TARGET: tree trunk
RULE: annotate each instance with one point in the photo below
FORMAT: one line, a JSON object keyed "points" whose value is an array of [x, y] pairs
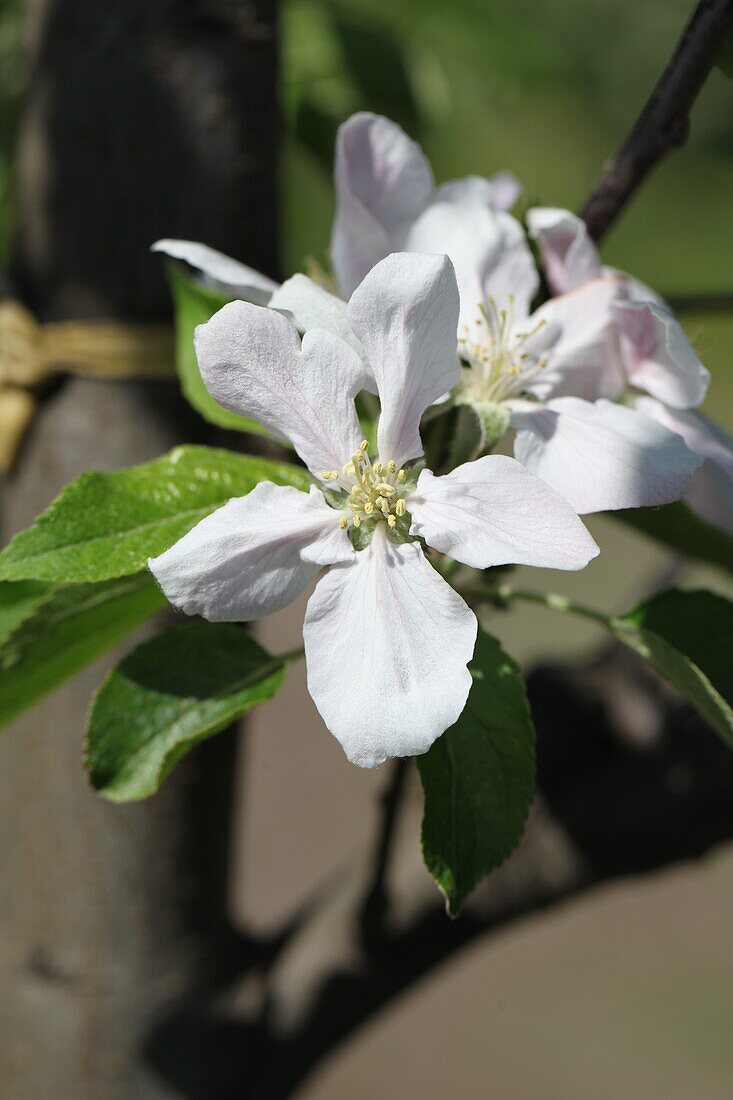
{"points": [[144, 118]]}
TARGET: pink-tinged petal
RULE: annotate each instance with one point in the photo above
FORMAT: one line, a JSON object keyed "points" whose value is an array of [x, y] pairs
{"points": [[659, 357], [495, 512], [383, 181], [219, 272], [632, 288], [500, 191], [711, 492], [569, 256], [488, 250], [252, 362], [253, 556], [406, 315], [309, 305], [602, 456], [387, 644], [584, 359]]}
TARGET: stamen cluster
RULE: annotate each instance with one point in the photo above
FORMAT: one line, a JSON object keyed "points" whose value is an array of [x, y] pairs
{"points": [[500, 362], [376, 490]]}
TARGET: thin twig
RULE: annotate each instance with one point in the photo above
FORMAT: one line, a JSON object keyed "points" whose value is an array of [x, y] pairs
{"points": [[376, 901], [664, 121]]}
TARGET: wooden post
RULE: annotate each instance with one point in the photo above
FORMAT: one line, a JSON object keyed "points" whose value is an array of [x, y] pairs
{"points": [[144, 118]]}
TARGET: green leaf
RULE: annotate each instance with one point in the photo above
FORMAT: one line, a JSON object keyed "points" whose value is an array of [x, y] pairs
{"points": [[18, 601], [65, 630], [688, 637], [677, 526], [170, 693], [376, 60], [194, 305], [478, 778], [106, 525]]}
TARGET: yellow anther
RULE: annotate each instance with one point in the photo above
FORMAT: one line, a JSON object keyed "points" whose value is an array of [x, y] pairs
{"points": [[343, 523], [391, 466], [364, 445], [383, 505], [400, 507], [377, 467], [391, 520], [385, 489], [369, 507], [329, 475], [348, 470], [357, 521], [401, 475]]}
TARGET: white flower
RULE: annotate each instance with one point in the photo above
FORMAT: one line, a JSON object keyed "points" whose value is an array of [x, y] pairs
{"points": [[387, 640], [383, 183], [654, 354], [553, 375], [550, 374]]}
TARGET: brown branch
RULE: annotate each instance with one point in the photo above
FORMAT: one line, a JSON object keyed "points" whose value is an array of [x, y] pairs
{"points": [[664, 121], [628, 781]]}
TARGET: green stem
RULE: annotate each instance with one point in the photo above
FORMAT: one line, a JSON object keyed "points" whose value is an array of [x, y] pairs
{"points": [[551, 600]]}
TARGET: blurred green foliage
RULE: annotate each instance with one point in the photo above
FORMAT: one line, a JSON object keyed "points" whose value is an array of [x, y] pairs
{"points": [[547, 89]]}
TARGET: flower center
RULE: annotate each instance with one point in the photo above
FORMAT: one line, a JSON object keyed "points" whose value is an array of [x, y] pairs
{"points": [[500, 355], [376, 491]]}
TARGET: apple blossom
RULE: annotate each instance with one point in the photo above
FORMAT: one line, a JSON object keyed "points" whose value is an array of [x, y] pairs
{"points": [[387, 640], [654, 353]]}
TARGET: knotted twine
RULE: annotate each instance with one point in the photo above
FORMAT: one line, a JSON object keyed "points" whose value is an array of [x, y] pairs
{"points": [[32, 352]]}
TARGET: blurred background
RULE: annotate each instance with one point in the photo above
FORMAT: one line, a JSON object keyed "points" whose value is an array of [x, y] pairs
{"points": [[628, 993]]}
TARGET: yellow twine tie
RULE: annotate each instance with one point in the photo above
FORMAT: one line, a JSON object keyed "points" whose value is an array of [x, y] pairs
{"points": [[32, 352]]}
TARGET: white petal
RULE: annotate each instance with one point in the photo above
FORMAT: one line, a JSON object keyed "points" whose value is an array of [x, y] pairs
{"points": [[499, 191], [253, 556], [251, 361], [585, 359], [488, 249], [602, 456], [569, 256], [383, 181], [633, 289], [387, 643], [659, 357], [495, 512], [505, 190], [220, 272], [406, 315], [711, 492], [309, 306]]}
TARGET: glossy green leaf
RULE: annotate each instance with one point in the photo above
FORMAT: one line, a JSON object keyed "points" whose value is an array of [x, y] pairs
{"points": [[106, 525], [172, 692], [688, 637], [677, 526], [195, 304], [478, 778], [64, 631]]}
